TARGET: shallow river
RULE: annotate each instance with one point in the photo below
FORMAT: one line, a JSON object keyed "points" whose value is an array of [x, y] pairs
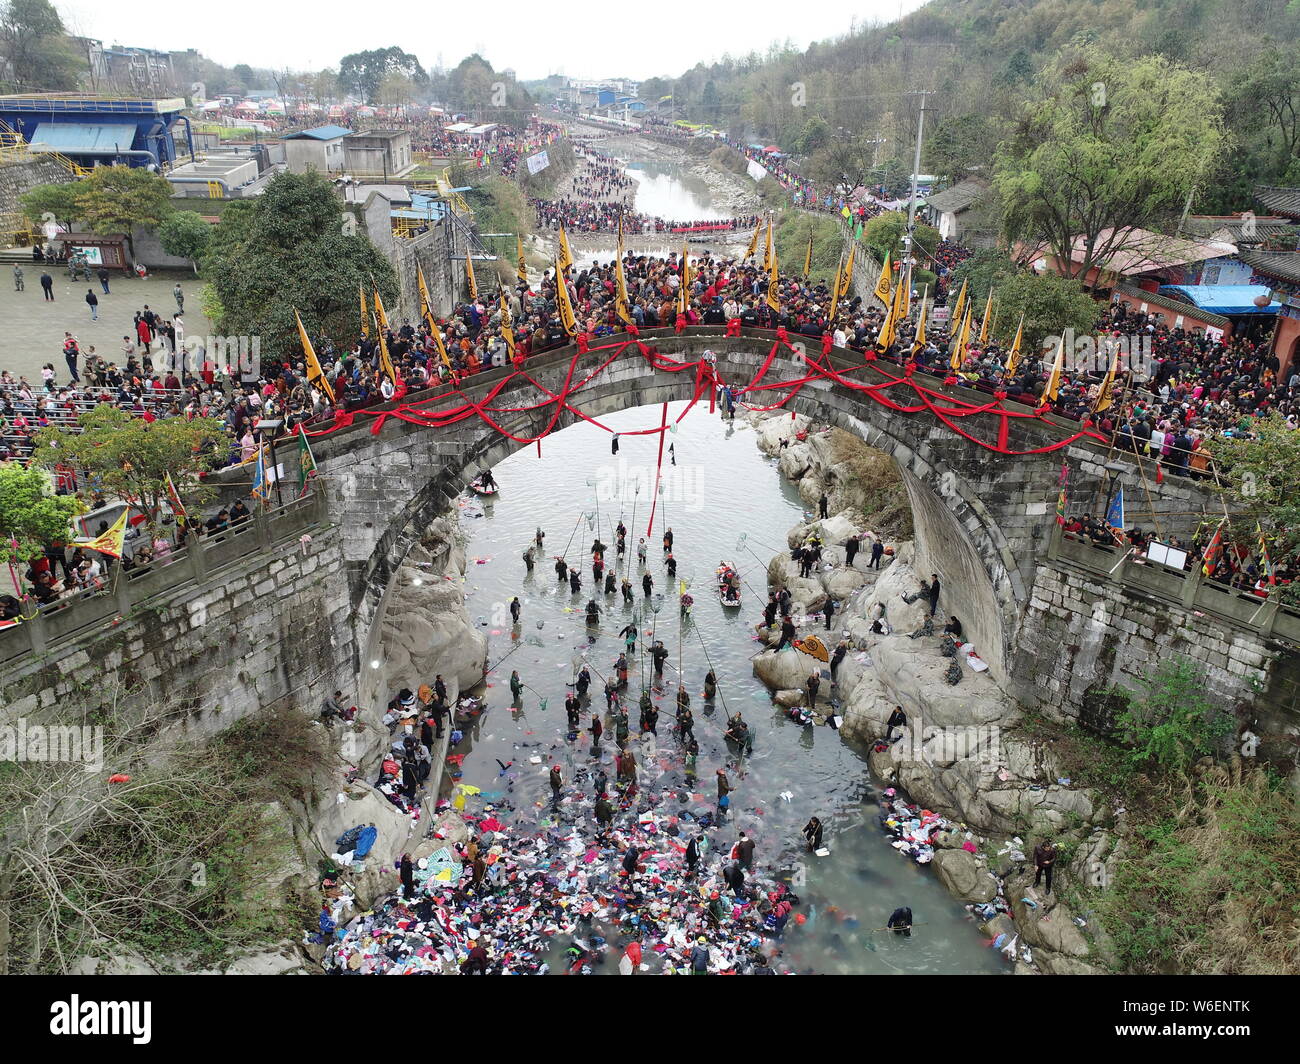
{"points": [[669, 190], [722, 489]]}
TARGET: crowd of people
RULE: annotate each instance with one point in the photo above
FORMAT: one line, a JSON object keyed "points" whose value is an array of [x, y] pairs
{"points": [[626, 859], [1199, 387]]}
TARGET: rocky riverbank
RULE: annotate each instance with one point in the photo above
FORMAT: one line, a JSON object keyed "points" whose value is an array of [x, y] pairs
{"points": [[425, 631], [992, 792]]}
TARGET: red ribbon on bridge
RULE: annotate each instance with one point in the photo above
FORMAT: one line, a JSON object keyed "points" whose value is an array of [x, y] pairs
{"points": [[449, 406]]}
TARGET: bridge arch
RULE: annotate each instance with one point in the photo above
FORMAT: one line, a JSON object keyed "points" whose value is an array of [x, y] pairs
{"points": [[980, 517]]}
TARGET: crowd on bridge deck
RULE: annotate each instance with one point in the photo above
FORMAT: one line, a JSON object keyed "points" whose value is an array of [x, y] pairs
{"points": [[590, 216], [1201, 387]]}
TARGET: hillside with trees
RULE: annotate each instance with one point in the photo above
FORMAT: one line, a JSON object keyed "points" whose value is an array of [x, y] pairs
{"points": [[979, 59]]}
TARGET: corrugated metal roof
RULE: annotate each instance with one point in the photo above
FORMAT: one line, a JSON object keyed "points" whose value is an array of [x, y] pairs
{"points": [[83, 138], [319, 133]]}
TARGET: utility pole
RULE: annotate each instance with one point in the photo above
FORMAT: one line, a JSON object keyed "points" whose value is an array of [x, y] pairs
{"points": [[916, 169]]}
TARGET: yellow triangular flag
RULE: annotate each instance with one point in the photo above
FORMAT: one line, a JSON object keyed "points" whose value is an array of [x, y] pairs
{"points": [[984, 324], [567, 319], [565, 260], [883, 289], [315, 375], [1013, 356]]}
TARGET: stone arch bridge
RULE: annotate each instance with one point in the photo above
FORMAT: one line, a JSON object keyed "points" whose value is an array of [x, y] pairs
{"points": [[983, 520]]}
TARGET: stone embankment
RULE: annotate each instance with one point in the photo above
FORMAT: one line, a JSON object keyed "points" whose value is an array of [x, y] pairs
{"points": [[425, 632], [961, 754]]}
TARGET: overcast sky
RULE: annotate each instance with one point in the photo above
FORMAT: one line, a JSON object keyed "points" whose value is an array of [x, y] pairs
{"points": [[522, 35]]}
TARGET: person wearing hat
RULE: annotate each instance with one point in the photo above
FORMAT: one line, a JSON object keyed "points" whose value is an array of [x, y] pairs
{"points": [[699, 956], [515, 607], [556, 783]]}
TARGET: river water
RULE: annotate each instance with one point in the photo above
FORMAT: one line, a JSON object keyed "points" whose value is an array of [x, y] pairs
{"points": [[669, 190], [722, 489]]}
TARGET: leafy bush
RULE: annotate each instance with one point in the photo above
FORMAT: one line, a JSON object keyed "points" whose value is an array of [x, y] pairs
{"points": [[1172, 723]]}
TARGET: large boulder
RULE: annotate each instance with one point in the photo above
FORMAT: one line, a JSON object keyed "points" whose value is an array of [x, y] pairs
{"points": [[795, 461], [362, 804], [784, 670], [1049, 809], [915, 669], [965, 876], [840, 583], [867, 708], [1043, 920], [771, 428], [425, 628]]}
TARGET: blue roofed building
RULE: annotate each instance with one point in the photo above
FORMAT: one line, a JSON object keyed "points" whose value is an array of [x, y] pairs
{"points": [[96, 130], [321, 148]]}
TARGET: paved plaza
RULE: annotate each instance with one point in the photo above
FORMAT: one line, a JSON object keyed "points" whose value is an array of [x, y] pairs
{"points": [[34, 327]]}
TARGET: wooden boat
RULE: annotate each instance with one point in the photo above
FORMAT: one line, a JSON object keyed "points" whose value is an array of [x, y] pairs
{"points": [[722, 571]]}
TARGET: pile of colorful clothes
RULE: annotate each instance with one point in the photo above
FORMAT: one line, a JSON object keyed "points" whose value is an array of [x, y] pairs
{"points": [[512, 901]]}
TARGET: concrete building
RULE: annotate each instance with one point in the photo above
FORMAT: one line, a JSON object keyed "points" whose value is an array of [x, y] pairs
{"points": [[384, 152], [143, 71], [320, 149], [221, 175]]}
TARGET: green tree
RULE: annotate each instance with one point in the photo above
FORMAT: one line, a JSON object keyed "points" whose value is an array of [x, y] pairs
{"points": [[1170, 723], [474, 87], [185, 235], [30, 513], [39, 54], [1106, 147], [59, 200], [816, 133], [364, 72], [792, 232], [1050, 303], [131, 458], [884, 235], [116, 199], [286, 249], [960, 145]]}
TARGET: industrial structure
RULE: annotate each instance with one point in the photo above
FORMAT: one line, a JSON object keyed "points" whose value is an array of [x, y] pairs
{"points": [[91, 129]]}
